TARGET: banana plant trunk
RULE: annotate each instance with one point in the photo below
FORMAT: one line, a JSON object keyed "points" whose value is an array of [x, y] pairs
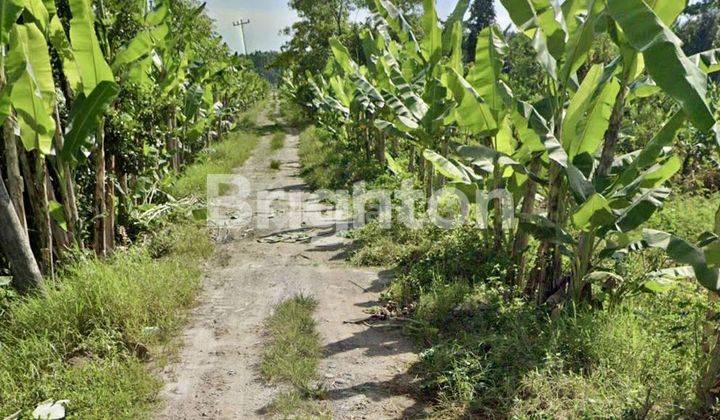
{"points": [[580, 290], [67, 187], [15, 244], [110, 203], [173, 141], [14, 178], [612, 136], [429, 172], [123, 199], [380, 148], [516, 274], [707, 388], [497, 208], [548, 267], [60, 235], [100, 207], [35, 177]]}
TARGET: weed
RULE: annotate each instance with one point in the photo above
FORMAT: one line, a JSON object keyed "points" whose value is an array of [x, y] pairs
{"points": [[292, 354], [293, 350], [293, 404], [275, 164], [488, 355], [277, 141], [85, 339]]}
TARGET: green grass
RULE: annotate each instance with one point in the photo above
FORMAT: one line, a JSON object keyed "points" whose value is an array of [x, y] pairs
{"points": [[489, 356], [294, 404], [292, 114], [220, 158], [88, 338], [275, 165], [329, 164], [249, 118], [291, 356], [687, 215], [293, 349], [277, 141]]}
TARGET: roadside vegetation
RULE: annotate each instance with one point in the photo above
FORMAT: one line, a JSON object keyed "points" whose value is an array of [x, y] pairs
{"points": [[114, 113], [600, 301], [100, 330]]}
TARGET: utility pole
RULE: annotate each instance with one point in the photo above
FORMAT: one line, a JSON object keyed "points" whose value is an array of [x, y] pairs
{"points": [[241, 23]]}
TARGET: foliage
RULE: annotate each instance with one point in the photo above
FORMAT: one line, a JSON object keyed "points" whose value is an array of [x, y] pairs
{"points": [[85, 340], [552, 120], [277, 141], [329, 165], [264, 63], [89, 336], [482, 15], [220, 158]]}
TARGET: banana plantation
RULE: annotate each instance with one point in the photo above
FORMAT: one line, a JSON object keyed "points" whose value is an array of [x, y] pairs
{"points": [[101, 101], [574, 143], [401, 94]]}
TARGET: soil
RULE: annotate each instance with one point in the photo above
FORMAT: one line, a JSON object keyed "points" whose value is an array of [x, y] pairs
{"points": [[365, 365]]}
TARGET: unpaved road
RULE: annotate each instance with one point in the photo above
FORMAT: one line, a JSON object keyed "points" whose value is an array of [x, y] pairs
{"points": [[216, 375]]}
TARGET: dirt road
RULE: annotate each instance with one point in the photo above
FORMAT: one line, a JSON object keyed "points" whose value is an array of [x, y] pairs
{"points": [[216, 376]]}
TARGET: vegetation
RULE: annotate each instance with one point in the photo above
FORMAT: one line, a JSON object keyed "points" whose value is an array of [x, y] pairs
{"points": [[104, 101], [588, 116], [88, 338], [277, 141], [113, 113], [220, 158], [291, 357]]}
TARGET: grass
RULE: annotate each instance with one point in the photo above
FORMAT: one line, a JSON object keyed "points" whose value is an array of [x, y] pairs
{"points": [[90, 337], [275, 164], [292, 114], [248, 119], [329, 164], [291, 356], [220, 158], [277, 141], [487, 356]]}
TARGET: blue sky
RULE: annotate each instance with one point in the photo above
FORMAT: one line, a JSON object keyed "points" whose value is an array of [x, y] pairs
{"points": [[269, 17]]}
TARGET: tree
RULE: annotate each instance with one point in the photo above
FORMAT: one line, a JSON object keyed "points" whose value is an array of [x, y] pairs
{"points": [[263, 62], [310, 44], [91, 90], [482, 15], [701, 31], [16, 246]]}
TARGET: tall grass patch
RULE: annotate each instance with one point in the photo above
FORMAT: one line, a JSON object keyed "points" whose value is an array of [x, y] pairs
{"points": [[87, 338], [277, 141], [220, 158], [291, 357]]}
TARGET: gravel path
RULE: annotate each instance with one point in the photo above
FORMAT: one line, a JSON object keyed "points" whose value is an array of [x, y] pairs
{"points": [[216, 374]]}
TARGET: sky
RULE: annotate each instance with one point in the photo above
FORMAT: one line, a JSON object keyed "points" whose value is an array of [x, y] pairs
{"points": [[269, 17]]}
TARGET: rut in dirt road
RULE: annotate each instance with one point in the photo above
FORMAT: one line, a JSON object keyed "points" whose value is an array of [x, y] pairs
{"points": [[364, 369]]}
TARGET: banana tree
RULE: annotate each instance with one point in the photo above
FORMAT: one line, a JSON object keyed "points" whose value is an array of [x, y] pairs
{"points": [[15, 242], [581, 120]]}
